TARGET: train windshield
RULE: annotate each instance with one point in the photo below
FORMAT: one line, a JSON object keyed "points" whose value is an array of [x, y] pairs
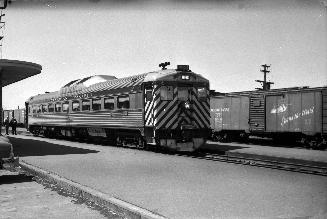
{"points": [[166, 93], [183, 93], [202, 93]]}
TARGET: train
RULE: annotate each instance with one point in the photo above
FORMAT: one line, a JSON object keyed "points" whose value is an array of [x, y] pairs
{"points": [[167, 109], [175, 109], [287, 114]]}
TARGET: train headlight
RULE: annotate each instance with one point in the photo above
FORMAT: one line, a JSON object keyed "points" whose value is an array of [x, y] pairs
{"points": [[187, 105]]}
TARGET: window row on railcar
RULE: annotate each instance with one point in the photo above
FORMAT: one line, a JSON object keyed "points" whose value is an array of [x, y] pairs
{"points": [[131, 101]]}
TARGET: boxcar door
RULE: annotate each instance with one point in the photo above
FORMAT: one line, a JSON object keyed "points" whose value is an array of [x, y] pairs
{"points": [[257, 112]]}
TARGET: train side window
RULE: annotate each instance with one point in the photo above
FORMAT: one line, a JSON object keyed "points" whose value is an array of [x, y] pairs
{"points": [[44, 108], [148, 95], [202, 93], [65, 106], [76, 106], [166, 93], [34, 109], [96, 104], [51, 107], [182, 93], [58, 107], [109, 103], [123, 102], [38, 109], [86, 105]]}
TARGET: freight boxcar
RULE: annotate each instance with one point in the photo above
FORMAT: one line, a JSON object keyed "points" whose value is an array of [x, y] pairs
{"points": [[229, 116], [298, 114]]}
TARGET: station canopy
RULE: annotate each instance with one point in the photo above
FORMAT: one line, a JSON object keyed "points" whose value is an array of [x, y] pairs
{"points": [[14, 70]]}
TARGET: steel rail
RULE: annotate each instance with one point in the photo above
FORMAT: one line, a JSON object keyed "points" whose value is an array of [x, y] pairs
{"points": [[264, 163]]}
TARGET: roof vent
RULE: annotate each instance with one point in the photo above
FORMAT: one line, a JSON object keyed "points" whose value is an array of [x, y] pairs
{"points": [[183, 68]]}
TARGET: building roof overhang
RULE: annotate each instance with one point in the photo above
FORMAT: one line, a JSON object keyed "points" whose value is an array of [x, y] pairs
{"points": [[12, 71]]}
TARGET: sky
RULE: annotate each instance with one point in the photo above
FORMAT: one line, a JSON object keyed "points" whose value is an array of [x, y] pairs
{"points": [[224, 41]]}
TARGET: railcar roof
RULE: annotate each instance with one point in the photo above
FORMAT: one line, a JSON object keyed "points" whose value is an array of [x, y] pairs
{"points": [[127, 82]]}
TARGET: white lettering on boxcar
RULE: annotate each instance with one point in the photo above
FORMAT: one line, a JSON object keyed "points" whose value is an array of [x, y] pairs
{"points": [[225, 109], [295, 116], [280, 109]]}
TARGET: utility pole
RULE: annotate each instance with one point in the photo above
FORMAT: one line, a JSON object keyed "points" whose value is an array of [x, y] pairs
{"points": [[265, 84], [3, 5]]}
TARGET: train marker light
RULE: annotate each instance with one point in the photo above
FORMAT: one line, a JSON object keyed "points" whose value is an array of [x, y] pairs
{"points": [[185, 77]]}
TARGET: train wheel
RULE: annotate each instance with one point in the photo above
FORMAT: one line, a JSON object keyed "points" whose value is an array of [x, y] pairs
{"points": [[322, 144], [244, 137], [46, 133], [141, 143], [119, 141], [36, 132], [226, 138], [216, 137]]}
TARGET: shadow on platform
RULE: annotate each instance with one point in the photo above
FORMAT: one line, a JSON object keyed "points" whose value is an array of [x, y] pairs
{"points": [[215, 147], [20, 178], [29, 147]]}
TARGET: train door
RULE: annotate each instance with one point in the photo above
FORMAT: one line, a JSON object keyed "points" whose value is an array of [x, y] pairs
{"points": [[148, 113], [27, 111], [185, 99]]}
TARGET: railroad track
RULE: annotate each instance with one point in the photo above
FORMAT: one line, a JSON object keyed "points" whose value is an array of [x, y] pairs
{"points": [[264, 163]]}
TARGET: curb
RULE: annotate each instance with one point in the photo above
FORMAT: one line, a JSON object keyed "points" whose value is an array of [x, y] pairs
{"points": [[126, 209]]}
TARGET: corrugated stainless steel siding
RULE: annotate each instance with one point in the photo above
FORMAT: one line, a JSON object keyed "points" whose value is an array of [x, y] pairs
{"points": [[124, 118], [324, 111], [257, 112]]}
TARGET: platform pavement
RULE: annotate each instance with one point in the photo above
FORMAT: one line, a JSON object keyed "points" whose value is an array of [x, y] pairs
{"points": [[282, 154], [189, 188], [21, 197]]}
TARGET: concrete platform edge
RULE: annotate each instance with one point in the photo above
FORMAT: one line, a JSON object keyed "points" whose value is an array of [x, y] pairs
{"points": [[117, 205]]}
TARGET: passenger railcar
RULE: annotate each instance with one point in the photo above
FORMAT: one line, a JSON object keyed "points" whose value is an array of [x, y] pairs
{"points": [[167, 108], [298, 114]]}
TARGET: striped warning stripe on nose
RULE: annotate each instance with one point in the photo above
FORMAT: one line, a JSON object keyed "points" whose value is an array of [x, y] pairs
{"points": [[171, 114]]}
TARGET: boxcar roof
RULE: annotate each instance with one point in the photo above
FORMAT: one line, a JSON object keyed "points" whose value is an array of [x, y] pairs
{"points": [[269, 92], [121, 85]]}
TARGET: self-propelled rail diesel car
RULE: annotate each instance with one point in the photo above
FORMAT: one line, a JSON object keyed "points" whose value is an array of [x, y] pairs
{"points": [[167, 108]]}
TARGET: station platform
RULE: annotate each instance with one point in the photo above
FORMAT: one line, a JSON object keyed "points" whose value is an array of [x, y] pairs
{"points": [[160, 185], [287, 154]]}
